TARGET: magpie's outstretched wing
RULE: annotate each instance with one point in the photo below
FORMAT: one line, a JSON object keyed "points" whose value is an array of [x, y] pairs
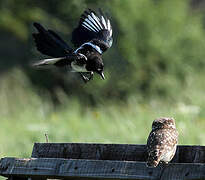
{"points": [[49, 43], [93, 27]]}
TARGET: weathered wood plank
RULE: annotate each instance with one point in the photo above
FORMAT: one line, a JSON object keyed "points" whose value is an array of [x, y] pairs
{"points": [[90, 151], [43, 168], [119, 152]]}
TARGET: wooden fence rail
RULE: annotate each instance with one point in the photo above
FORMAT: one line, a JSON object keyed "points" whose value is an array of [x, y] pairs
{"points": [[102, 161]]}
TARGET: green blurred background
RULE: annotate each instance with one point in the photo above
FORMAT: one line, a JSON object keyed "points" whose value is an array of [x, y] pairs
{"points": [[155, 68]]}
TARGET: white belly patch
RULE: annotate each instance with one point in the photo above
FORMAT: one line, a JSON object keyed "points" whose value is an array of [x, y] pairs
{"points": [[169, 155], [77, 68]]}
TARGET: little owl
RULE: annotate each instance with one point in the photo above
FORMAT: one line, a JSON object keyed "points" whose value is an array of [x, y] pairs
{"points": [[162, 141]]}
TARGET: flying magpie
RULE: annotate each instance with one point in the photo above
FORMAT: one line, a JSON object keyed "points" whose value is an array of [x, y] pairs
{"points": [[91, 38]]}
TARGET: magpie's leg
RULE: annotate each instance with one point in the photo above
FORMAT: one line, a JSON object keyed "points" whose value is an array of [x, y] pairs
{"points": [[85, 79]]}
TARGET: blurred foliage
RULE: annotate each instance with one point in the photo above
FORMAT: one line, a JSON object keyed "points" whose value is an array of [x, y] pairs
{"points": [[26, 117], [157, 45]]}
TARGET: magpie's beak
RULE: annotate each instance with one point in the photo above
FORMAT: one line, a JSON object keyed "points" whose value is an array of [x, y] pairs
{"points": [[102, 75]]}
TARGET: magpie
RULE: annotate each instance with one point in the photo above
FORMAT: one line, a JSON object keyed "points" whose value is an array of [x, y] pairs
{"points": [[91, 38]]}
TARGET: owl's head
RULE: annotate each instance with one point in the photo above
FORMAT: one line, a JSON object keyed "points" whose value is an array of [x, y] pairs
{"points": [[163, 122]]}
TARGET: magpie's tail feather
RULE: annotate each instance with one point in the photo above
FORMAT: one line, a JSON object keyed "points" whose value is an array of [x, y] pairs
{"points": [[61, 61], [49, 43]]}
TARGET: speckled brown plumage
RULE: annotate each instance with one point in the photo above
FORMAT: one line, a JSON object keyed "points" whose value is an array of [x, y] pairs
{"points": [[162, 141]]}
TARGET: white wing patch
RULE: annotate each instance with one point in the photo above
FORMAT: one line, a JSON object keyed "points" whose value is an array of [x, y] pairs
{"points": [[95, 24], [97, 20], [90, 25], [108, 24], [97, 48], [109, 27], [103, 21]]}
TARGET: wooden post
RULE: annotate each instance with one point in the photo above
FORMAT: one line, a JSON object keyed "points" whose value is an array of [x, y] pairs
{"points": [[44, 168], [103, 161], [128, 152]]}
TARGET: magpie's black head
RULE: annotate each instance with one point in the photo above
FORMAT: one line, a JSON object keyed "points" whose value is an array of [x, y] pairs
{"points": [[95, 64]]}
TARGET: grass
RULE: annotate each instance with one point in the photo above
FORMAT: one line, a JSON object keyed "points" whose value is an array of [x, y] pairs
{"points": [[26, 117]]}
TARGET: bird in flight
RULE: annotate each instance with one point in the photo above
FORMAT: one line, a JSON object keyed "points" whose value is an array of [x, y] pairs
{"points": [[91, 38]]}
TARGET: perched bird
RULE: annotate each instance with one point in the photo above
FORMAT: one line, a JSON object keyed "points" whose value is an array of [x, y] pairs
{"points": [[91, 38], [162, 141]]}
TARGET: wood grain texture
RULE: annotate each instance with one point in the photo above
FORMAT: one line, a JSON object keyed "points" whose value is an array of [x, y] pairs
{"points": [[118, 152], [42, 168], [90, 151]]}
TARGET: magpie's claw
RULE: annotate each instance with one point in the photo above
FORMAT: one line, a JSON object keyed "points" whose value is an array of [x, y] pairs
{"points": [[86, 79], [91, 75]]}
